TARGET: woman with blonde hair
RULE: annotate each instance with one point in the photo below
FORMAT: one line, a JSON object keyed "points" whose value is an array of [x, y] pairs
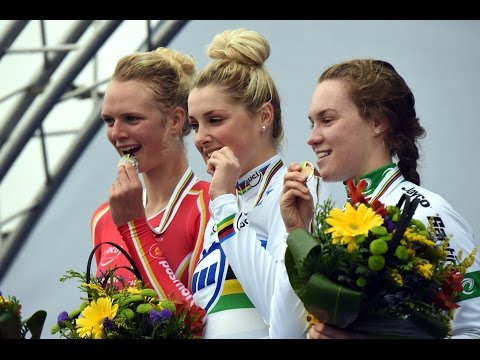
{"points": [[161, 224], [234, 109]]}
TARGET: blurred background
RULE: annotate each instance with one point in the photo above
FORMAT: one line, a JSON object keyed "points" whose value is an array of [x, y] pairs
{"points": [[56, 164]]}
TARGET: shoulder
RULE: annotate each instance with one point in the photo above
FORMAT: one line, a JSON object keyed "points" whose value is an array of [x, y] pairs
{"points": [[201, 185], [432, 206], [101, 210], [428, 200], [200, 189]]}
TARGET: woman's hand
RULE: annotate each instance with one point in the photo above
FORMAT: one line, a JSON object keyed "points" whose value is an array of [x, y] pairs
{"points": [[296, 202], [224, 167], [125, 197], [321, 330]]}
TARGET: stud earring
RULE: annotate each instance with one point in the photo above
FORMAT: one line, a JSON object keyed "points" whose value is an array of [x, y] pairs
{"points": [[377, 131], [264, 128]]}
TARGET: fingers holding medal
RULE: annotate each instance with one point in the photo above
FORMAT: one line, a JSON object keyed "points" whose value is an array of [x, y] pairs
{"points": [[307, 169], [128, 158]]}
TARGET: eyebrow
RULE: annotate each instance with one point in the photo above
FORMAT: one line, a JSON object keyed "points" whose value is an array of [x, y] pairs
{"points": [[318, 114], [322, 112], [210, 112]]}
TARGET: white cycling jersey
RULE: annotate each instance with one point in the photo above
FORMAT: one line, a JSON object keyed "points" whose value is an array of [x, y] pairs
{"points": [[388, 185], [234, 284]]}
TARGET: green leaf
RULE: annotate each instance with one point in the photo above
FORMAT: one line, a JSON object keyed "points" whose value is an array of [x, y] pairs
{"points": [[35, 324], [330, 302], [326, 300], [10, 326]]}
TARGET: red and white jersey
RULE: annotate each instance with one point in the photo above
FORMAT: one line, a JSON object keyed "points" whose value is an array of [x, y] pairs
{"points": [[165, 250]]}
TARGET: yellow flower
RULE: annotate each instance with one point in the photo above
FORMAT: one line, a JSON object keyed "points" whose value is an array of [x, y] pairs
{"points": [[91, 322], [397, 277], [133, 290], [346, 225], [412, 236], [95, 288], [425, 269]]}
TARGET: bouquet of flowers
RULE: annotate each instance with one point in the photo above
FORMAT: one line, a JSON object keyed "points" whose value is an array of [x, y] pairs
{"points": [[11, 324], [111, 309], [376, 269]]}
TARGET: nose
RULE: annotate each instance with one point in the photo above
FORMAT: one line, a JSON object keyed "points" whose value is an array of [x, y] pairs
{"points": [[201, 136], [315, 136], [117, 131]]}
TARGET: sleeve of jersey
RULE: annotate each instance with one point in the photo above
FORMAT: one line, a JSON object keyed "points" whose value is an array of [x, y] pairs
{"points": [[263, 277], [466, 322], [153, 267]]}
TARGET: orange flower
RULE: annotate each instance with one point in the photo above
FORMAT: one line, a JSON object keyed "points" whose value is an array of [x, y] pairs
{"points": [[355, 193], [451, 284]]}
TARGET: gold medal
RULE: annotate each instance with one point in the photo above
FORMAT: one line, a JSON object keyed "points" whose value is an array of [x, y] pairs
{"points": [[129, 158], [308, 169]]}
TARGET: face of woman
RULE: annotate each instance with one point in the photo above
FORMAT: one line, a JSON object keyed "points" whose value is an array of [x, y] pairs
{"points": [[218, 122], [345, 143], [135, 123]]}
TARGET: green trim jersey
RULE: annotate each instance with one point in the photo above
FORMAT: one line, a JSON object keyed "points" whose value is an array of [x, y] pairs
{"points": [[390, 187], [387, 184]]}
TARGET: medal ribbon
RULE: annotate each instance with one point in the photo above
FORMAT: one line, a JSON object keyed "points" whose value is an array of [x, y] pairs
{"points": [[385, 184], [267, 177], [181, 190]]}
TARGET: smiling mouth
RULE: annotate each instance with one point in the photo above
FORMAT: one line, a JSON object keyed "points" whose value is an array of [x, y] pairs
{"points": [[131, 151], [209, 154], [322, 154]]}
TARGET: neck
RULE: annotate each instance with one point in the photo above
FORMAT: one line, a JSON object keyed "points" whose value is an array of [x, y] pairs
{"points": [[260, 159], [161, 182]]}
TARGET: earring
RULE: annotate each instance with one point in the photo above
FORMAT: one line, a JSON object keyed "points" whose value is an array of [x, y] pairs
{"points": [[377, 130], [263, 128]]}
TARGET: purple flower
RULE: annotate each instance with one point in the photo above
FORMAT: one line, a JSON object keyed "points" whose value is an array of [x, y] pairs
{"points": [[63, 316], [158, 316], [389, 224], [107, 323]]}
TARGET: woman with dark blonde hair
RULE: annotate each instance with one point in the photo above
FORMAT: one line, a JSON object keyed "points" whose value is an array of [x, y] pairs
{"points": [[365, 127]]}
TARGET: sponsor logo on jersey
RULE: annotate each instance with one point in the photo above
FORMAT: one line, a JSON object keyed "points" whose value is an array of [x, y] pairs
{"points": [[207, 281], [255, 179], [413, 193], [438, 226], [155, 251], [214, 230], [109, 255], [471, 286], [369, 183], [178, 284], [440, 234], [242, 220]]}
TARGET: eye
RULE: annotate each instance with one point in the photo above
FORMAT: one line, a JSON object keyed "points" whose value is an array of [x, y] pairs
{"points": [[132, 118], [215, 120], [194, 126], [108, 121]]}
